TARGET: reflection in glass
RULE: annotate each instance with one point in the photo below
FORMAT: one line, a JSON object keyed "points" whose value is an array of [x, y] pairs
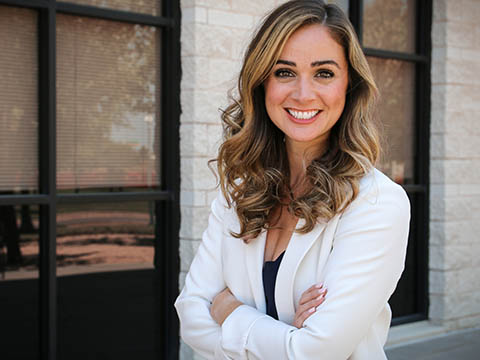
{"points": [[395, 113], [342, 4], [108, 116], [104, 237], [150, 7], [19, 254], [106, 283], [389, 25], [18, 100]]}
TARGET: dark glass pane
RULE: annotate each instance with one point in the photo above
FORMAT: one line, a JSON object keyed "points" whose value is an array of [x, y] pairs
{"points": [[342, 4], [395, 80], [389, 25], [108, 108], [150, 7], [18, 100], [19, 253], [106, 302]]}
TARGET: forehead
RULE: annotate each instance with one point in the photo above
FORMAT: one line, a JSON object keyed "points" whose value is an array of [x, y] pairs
{"points": [[312, 43]]}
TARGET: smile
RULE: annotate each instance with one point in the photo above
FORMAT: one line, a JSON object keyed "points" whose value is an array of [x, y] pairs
{"points": [[303, 115]]}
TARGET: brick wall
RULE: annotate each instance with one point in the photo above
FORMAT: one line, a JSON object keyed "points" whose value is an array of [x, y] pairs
{"points": [[214, 35], [455, 165]]}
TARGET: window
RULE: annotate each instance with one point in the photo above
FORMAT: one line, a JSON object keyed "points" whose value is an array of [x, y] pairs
{"points": [[396, 39], [89, 178]]}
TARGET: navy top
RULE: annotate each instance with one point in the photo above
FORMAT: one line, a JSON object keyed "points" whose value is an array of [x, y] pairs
{"points": [[270, 270]]}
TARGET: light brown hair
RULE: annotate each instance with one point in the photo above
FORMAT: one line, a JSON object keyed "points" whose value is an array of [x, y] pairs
{"points": [[252, 162]]}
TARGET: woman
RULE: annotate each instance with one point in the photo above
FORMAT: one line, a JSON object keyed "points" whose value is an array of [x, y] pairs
{"points": [[301, 205]]}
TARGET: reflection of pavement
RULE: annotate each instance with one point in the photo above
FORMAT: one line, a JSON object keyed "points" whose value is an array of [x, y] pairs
{"points": [[104, 249], [94, 217]]}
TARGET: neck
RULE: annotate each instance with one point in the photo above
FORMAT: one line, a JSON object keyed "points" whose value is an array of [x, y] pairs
{"points": [[300, 155]]}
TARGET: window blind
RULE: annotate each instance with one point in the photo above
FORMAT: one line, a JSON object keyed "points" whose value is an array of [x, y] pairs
{"points": [[108, 109], [18, 100]]}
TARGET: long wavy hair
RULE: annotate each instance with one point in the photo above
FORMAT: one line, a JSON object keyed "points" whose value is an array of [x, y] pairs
{"points": [[252, 162]]}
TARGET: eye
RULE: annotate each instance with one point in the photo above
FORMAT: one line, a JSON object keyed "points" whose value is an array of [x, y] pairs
{"points": [[325, 74], [283, 73]]}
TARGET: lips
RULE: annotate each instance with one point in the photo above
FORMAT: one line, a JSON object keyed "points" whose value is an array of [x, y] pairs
{"points": [[302, 116]]}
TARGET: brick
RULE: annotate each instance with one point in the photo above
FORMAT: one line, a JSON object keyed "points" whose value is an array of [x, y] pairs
{"points": [[214, 41], [194, 15], [454, 171], [195, 174], [438, 72], [459, 34], [439, 34], [188, 249], [188, 39], [194, 222], [253, 7], [229, 19], [193, 139], [202, 107], [215, 4], [215, 138], [193, 198], [454, 257], [439, 10], [194, 75]]}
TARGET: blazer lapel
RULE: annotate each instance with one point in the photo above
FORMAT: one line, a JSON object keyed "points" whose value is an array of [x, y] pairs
{"points": [[297, 248], [254, 252]]}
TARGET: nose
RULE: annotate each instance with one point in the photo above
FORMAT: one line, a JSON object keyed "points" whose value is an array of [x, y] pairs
{"points": [[304, 90]]}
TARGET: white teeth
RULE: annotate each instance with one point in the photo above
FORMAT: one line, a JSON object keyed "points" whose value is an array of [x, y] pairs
{"points": [[303, 115]]}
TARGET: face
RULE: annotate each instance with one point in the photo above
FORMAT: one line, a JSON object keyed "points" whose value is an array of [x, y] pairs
{"points": [[305, 93]]}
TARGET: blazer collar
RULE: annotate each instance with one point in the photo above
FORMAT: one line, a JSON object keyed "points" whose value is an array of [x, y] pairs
{"points": [[297, 248]]}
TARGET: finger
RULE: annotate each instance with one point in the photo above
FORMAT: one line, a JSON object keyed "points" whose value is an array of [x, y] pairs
{"points": [[312, 294], [304, 316], [312, 303]]}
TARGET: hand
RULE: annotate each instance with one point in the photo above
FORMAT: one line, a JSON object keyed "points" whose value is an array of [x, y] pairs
{"points": [[311, 298], [223, 305]]}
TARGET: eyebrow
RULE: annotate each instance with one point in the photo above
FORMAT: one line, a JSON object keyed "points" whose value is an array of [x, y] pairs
{"points": [[313, 64]]}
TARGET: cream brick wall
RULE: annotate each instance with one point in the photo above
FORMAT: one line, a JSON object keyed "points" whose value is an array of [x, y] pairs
{"points": [[214, 35], [455, 165]]}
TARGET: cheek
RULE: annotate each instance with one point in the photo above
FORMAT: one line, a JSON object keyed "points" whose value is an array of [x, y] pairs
{"points": [[274, 95], [336, 97]]}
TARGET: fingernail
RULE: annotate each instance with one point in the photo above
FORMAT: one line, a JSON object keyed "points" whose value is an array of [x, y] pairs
{"points": [[318, 286], [311, 310], [319, 298]]}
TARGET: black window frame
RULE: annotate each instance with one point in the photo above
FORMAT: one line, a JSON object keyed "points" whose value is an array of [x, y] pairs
{"points": [[167, 198], [419, 192]]}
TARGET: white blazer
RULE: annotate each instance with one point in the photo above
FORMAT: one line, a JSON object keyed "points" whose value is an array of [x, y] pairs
{"points": [[359, 255]]}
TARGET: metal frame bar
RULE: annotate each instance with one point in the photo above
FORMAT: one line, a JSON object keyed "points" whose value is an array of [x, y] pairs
{"points": [[167, 200], [170, 264], [115, 197], [95, 12], [47, 182], [388, 54], [116, 15]]}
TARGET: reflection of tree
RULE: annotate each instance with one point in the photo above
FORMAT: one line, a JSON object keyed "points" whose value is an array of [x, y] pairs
{"points": [[107, 78], [389, 24]]}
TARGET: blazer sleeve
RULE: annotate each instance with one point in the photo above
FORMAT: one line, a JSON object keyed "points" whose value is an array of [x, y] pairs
{"points": [[364, 266], [203, 281]]}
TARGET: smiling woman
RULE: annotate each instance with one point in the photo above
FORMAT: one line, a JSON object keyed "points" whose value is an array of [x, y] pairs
{"points": [[306, 240], [305, 96]]}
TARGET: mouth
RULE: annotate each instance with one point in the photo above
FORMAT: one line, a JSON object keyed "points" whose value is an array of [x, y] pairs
{"points": [[301, 116]]}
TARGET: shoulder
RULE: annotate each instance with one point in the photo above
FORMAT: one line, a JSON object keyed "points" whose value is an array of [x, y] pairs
{"points": [[380, 194]]}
